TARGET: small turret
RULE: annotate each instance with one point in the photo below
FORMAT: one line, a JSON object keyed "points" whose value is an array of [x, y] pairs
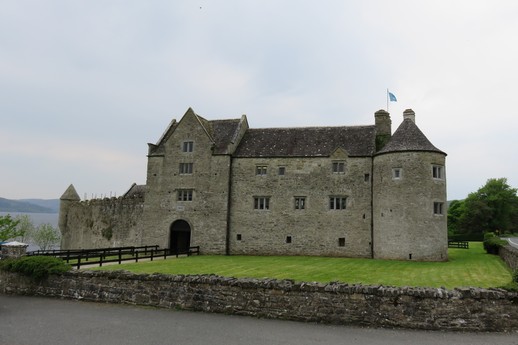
{"points": [[67, 199], [383, 128]]}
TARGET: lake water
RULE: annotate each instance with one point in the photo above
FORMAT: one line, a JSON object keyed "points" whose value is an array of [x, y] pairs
{"points": [[37, 219]]}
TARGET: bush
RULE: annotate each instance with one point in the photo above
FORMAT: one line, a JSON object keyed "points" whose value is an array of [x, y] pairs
{"points": [[492, 243], [37, 267]]}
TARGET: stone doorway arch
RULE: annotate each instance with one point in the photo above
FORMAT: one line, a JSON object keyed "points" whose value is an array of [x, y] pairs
{"points": [[180, 237]]}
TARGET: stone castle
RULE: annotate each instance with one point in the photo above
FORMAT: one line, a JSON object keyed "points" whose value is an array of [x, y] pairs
{"points": [[352, 191]]}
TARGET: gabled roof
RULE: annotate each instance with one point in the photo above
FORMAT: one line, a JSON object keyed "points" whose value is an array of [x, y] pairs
{"points": [[307, 141], [136, 191], [408, 137], [223, 132]]}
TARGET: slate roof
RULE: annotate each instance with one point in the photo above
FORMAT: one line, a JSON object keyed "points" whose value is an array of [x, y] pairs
{"points": [[408, 137], [307, 142], [223, 132], [136, 191]]}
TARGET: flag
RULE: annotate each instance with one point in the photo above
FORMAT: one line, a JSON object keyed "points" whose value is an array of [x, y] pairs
{"points": [[392, 97]]}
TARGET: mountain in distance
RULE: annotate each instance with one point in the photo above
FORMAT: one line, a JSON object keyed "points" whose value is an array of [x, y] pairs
{"points": [[30, 205]]}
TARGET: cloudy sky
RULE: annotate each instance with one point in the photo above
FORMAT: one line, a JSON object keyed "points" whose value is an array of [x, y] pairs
{"points": [[85, 85]]}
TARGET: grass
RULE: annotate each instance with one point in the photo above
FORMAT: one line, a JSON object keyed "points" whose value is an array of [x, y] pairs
{"points": [[465, 268]]}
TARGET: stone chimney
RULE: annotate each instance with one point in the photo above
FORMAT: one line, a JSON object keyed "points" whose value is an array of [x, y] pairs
{"points": [[383, 128], [409, 114]]}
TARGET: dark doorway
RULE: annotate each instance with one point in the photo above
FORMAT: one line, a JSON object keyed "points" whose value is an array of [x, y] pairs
{"points": [[180, 237]]}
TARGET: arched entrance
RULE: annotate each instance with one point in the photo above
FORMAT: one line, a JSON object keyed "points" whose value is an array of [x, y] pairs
{"points": [[180, 237]]}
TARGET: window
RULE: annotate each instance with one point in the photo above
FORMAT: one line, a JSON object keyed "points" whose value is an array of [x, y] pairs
{"points": [[438, 208], [341, 242], [366, 177], [238, 237], [187, 146], [338, 167], [437, 172], [300, 202], [186, 168], [260, 170], [288, 239], [185, 195], [282, 171], [337, 202], [397, 173], [261, 203]]}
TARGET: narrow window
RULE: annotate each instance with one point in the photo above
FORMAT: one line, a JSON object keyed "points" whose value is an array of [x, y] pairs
{"points": [[187, 146], [282, 171], [438, 208], [437, 172], [338, 167], [261, 203], [288, 239], [366, 177], [260, 170], [185, 195], [186, 168], [337, 202], [300, 202], [238, 237], [397, 173], [341, 242]]}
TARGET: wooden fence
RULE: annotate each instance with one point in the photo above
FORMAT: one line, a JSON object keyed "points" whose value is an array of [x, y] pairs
{"points": [[458, 244], [82, 257]]}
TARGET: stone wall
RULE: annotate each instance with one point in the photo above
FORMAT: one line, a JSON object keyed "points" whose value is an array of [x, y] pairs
{"points": [[510, 256], [101, 223], [467, 309]]}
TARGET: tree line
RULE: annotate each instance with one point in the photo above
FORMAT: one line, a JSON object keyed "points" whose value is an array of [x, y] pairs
{"points": [[22, 229], [492, 208]]}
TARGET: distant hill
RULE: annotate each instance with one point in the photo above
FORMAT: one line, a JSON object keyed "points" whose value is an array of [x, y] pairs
{"points": [[29, 205]]}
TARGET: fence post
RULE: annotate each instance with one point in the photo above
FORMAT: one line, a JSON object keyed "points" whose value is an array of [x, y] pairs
{"points": [[136, 256], [79, 261], [152, 255], [101, 261], [120, 256]]}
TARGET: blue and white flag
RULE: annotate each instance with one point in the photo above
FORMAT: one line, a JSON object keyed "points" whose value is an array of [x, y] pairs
{"points": [[392, 97]]}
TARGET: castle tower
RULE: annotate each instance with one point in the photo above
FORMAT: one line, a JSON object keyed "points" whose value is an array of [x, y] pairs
{"points": [[67, 199], [409, 197]]}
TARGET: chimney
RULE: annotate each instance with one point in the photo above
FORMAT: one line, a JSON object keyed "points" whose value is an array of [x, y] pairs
{"points": [[383, 128], [409, 114]]}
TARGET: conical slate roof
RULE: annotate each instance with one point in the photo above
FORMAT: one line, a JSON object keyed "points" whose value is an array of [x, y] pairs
{"points": [[408, 137], [70, 194]]}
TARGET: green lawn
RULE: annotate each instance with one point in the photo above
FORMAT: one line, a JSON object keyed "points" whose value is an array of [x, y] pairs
{"points": [[465, 268]]}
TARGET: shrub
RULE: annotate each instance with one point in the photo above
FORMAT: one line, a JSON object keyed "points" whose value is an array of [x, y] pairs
{"points": [[37, 267], [492, 243]]}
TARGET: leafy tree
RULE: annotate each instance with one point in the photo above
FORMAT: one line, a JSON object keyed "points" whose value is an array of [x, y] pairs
{"points": [[46, 236], [8, 228], [455, 210], [494, 207], [25, 228]]}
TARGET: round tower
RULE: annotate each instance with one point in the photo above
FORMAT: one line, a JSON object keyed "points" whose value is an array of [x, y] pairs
{"points": [[409, 197], [67, 199]]}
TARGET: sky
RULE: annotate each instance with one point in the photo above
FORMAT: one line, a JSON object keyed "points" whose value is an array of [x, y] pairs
{"points": [[85, 85]]}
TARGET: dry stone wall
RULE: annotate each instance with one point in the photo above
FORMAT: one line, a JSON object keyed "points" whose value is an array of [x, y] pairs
{"points": [[467, 309], [510, 256]]}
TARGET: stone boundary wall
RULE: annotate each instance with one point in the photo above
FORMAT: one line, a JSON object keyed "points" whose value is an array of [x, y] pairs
{"points": [[509, 255], [468, 309]]}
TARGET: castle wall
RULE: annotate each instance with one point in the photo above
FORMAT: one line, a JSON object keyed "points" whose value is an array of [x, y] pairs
{"points": [[102, 223], [405, 226], [314, 230], [206, 213]]}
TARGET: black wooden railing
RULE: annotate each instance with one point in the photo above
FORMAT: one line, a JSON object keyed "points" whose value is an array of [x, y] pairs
{"points": [[82, 257], [458, 244]]}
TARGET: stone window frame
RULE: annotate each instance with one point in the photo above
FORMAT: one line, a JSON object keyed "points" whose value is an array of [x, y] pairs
{"points": [[282, 170], [184, 194], [397, 173], [186, 168], [261, 170], [299, 202], [338, 167], [437, 172], [438, 208], [188, 146], [261, 203], [337, 202]]}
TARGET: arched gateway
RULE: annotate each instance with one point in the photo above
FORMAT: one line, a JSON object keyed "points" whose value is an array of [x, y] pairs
{"points": [[180, 236]]}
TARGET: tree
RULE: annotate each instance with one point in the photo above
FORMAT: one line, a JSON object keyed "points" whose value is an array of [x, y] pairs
{"points": [[494, 207], [25, 228], [46, 236], [455, 211], [8, 228]]}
